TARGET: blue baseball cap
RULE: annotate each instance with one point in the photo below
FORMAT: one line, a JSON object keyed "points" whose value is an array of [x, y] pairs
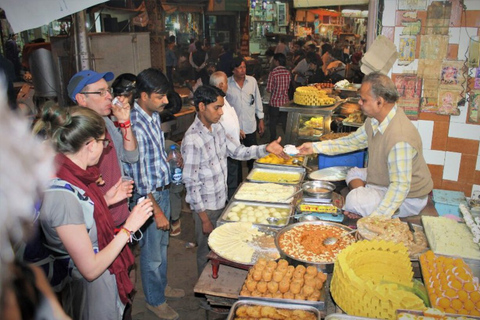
{"points": [[84, 78]]}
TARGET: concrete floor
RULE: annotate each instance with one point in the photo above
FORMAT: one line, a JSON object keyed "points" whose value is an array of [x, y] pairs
{"points": [[182, 273]]}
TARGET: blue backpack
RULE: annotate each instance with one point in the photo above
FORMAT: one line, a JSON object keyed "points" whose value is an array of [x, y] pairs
{"points": [[56, 263]]}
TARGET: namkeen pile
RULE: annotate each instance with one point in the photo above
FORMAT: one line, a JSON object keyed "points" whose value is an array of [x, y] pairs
{"points": [[279, 280], [312, 96], [449, 237], [274, 159], [451, 285], [428, 314], [264, 192], [304, 242], [252, 312], [373, 279], [384, 228]]}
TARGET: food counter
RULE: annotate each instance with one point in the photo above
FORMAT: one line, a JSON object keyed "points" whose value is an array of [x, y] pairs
{"points": [[253, 279]]}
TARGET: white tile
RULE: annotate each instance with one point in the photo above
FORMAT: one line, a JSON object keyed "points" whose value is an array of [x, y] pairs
{"points": [[389, 13], [452, 165], [462, 117], [464, 43], [477, 166], [472, 4], [464, 131], [454, 35], [475, 188], [434, 157], [425, 128]]}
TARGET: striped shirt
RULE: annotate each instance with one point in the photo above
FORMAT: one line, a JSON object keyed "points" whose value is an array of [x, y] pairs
{"points": [[400, 161], [152, 169], [204, 154], [278, 83]]}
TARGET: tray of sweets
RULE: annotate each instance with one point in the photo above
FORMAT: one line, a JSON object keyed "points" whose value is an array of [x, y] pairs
{"points": [[248, 211], [288, 175], [265, 192], [245, 309]]}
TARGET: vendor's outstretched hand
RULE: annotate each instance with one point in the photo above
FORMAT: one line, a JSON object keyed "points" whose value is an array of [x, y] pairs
{"points": [[305, 149], [275, 148]]}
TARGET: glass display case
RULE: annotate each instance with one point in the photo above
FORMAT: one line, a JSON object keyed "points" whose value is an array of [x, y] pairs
{"points": [[306, 123]]}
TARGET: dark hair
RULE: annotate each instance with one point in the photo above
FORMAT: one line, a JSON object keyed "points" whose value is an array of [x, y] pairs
{"points": [[311, 57], [312, 46], [280, 57], [124, 84], [237, 62], [152, 80], [326, 47], [207, 95], [382, 86], [70, 128], [198, 45]]}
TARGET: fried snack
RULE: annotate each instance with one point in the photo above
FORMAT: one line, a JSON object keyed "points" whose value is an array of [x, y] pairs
{"points": [[312, 270], [272, 286], [284, 285], [278, 275], [251, 285], [277, 295], [288, 295], [257, 275], [267, 275], [295, 287]]}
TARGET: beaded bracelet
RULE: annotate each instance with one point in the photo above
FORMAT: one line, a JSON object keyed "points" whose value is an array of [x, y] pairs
{"points": [[128, 232]]}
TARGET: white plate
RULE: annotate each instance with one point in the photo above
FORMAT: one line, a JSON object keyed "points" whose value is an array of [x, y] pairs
{"points": [[330, 174]]}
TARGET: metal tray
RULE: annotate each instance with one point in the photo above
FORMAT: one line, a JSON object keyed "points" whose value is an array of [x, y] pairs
{"points": [[318, 305], [342, 316], [298, 170], [281, 305], [323, 264], [257, 164], [295, 188], [222, 220], [445, 315]]}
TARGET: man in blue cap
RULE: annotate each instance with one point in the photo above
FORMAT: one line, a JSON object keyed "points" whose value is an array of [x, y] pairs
{"points": [[90, 89]]}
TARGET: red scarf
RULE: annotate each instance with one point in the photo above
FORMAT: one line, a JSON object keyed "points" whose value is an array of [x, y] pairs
{"points": [[86, 180]]}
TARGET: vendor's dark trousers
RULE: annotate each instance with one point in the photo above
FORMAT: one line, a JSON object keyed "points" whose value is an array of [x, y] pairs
{"points": [[170, 74], [250, 140], [202, 239], [276, 115], [233, 168]]}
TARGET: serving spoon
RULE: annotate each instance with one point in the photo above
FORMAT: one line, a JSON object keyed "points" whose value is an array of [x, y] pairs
{"points": [[332, 240], [299, 163]]}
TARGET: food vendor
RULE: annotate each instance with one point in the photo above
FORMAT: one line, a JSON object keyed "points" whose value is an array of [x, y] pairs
{"points": [[397, 180]]}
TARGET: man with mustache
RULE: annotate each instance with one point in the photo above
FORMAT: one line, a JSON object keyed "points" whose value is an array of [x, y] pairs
{"points": [[152, 179]]}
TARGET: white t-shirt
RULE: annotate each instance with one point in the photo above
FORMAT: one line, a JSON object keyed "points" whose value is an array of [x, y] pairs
{"points": [[229, 122]]}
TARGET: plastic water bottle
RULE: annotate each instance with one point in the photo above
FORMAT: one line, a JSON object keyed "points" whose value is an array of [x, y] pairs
{"points": [[175, 169]]}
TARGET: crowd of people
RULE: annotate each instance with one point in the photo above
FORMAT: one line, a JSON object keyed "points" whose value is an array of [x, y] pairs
{"points": [[112, 184]]}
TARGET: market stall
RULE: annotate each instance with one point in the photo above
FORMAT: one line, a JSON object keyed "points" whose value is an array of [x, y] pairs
{"points": [[271, 253]]}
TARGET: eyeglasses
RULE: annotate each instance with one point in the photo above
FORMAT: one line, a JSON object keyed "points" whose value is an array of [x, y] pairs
{"points": [[101, 92], [105, 142]]}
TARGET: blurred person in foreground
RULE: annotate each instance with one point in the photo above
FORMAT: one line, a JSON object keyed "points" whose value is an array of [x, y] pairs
{"points": [[26, 168], [397, 180], [75, 217]]}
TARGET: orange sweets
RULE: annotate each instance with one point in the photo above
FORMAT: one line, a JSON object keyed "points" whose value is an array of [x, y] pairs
{"points": [[282, 281], [450, 284]]}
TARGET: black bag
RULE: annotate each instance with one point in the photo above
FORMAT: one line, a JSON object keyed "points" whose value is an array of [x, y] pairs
{"points": [[291, 87]]}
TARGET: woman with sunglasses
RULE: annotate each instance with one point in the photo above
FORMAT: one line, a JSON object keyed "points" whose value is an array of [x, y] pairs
{"points": [[75, 217]]}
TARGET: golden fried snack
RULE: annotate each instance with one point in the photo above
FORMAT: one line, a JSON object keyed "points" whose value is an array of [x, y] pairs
{"points": [[284, 285], [288, 295], [307, 290], [299, 281], [312, 282], [254, 311], [251, 285], [272, 286], [278, 295], [241, 311], [290, 271], [300, 268], [262, 286], [272, 264], [267, 275], [245, 292], [318, 283], [312, 270], [257, 275], [278, 275], [316, 295], [282, 263], [256, 293], [295, 287], [299, 296]]}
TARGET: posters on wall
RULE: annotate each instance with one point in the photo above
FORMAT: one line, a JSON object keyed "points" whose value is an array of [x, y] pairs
{"points": [[438, 17], [430, 71], [407, 49], [450, 91], [474, 101], [433, 47], [474, 52], [412, 4], [409, 86]]}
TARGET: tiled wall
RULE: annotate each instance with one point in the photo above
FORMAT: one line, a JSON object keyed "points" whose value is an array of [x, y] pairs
{"points": [[451, 146]]}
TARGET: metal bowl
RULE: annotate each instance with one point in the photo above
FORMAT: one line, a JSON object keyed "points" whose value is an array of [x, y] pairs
{"points": [[318, 189], [308, 217], [322, 265]]}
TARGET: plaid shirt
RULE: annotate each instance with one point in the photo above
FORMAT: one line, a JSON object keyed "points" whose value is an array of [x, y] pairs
{"points": [[152, 169], [205, 155], [400, 161], [278, 83]]}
